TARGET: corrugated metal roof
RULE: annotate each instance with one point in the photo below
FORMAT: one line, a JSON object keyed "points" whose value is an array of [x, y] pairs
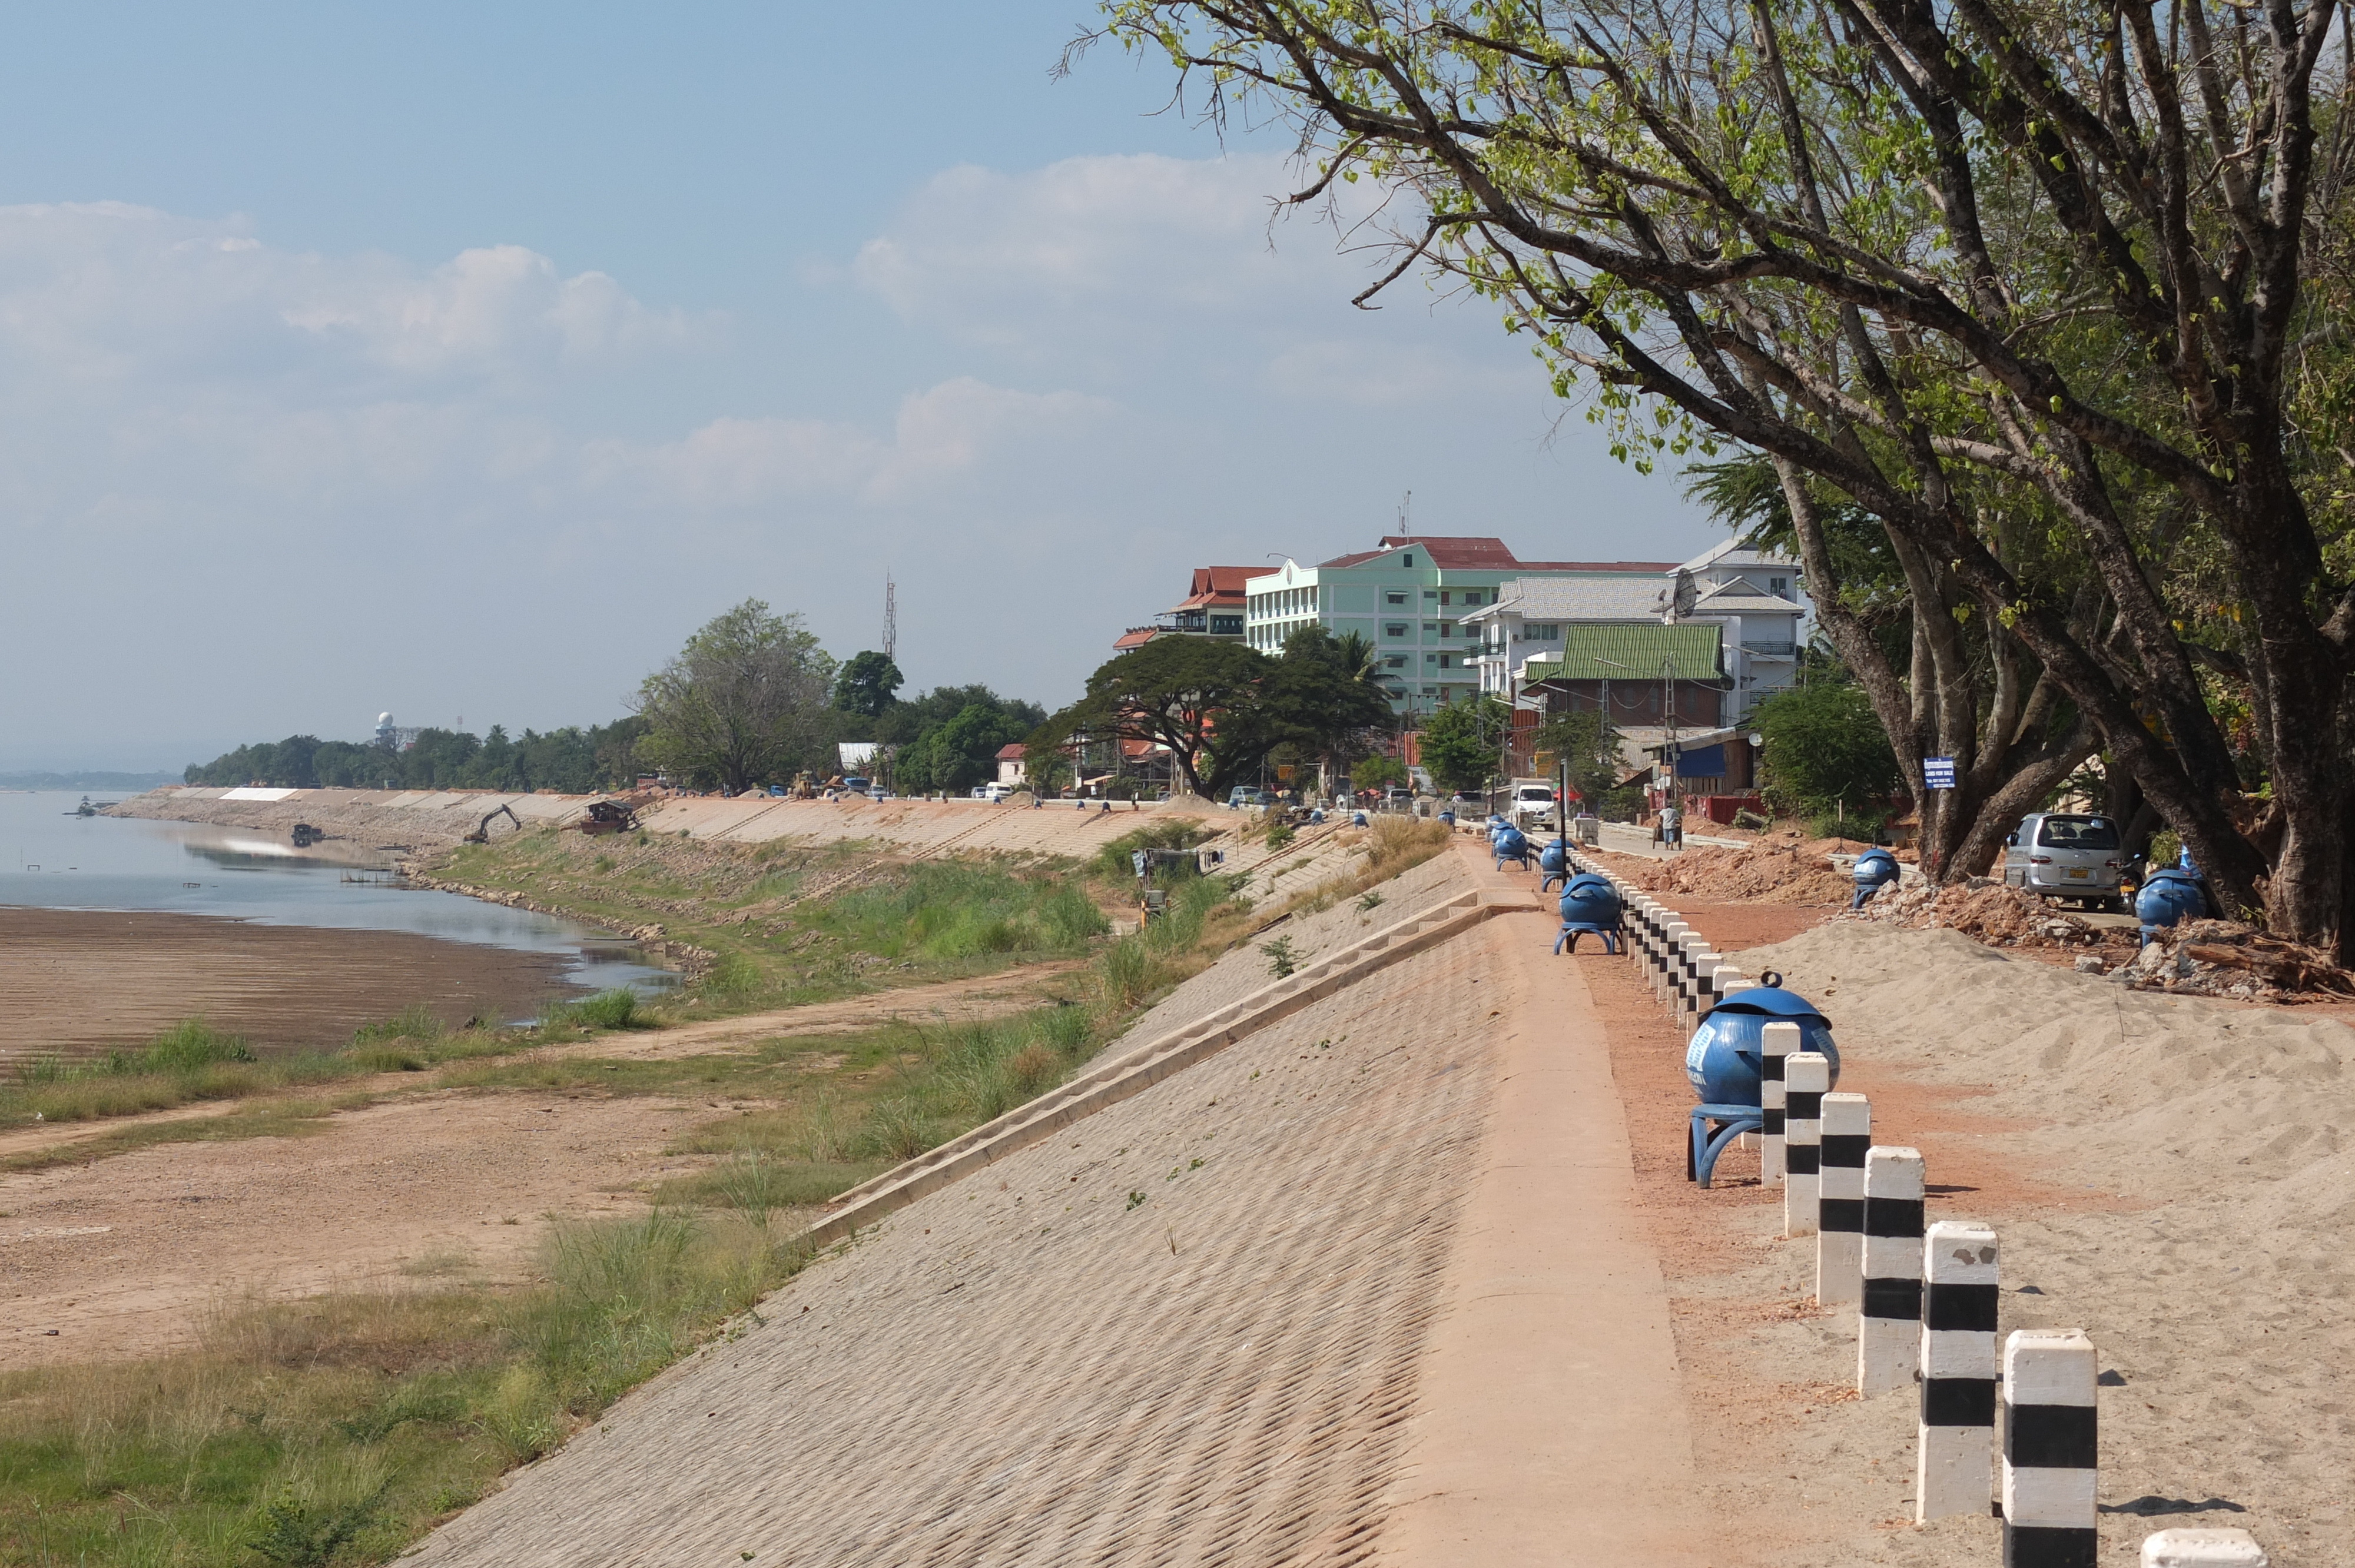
{"points": [[1632, 651], [1576, 598]]}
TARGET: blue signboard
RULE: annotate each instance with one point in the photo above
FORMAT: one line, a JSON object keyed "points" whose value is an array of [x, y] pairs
{"points": [[1938, 772]]}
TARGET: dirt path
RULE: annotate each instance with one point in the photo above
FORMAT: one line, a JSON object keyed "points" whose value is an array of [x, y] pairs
{"points": [[121, 1256]]}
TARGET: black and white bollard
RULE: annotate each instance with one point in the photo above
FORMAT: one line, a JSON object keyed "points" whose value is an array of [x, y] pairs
{"points": [[2202, 1549], [2049, 1449], [1953, 1461], [1889, 1319], [1778, 1042], [1806, 1078], [1845, 1136]]}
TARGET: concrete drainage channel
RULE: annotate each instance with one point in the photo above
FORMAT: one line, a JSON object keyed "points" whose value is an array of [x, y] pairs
{"points": [[1108, 1082], [1924, 1298]]}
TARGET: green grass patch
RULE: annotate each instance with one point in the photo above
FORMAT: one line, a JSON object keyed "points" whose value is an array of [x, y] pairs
{"points": [[337, 1429]]}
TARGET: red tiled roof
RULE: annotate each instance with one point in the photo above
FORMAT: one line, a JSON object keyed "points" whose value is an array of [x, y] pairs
{"points": [[1134, 637], [1479, 551], [1221, 587], [1013, 751]]}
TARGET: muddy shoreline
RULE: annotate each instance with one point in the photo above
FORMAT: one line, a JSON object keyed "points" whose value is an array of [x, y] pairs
{"points": [[77, 982]]}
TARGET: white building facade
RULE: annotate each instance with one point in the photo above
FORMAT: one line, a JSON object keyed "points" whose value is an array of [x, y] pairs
{"points": [[1410, 599]]}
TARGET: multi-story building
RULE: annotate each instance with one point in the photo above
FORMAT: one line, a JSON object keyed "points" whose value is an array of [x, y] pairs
{"points": [[1214, 607], [1749, 597], [1409, 599]]}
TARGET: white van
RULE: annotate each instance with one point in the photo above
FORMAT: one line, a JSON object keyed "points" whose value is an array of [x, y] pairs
{"points": [[1531, 806]]}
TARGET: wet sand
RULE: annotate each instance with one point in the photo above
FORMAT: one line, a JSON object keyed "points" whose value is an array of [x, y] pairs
{"points": [[79, 981]]}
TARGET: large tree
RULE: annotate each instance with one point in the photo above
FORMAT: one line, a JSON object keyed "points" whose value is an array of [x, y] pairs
{"points": [[2027, 282], [1200, 698], [744, 702]]}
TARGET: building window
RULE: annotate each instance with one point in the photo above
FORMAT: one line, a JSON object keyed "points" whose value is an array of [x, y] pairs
{"points": [[1395, 628], [1226, 625], [1399, 598], [1394, 662], [1431, 691], [1431, 593], [1447, 660], [1780, 585], [1431, 626], [1443, 599], [1431, 658], [1447, 629]]}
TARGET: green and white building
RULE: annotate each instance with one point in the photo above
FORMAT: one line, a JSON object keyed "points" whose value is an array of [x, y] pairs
{"points": [[1409, 598]]}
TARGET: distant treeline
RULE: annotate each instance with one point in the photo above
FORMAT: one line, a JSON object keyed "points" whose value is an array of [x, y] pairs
{"points": [[571, 761]]}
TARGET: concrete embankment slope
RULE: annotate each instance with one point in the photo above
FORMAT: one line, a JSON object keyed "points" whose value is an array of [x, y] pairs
{"points": [[437, 819], [1319, 1299]]}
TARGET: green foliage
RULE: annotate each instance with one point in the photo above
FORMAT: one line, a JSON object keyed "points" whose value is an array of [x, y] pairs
{"points": [[1823, 747], [955, 910], [743, 703], [1589, 743], [614, 1008], [189, 1046], [867, 684], [1377, 772], [1462, 743], [1280, 960], [570, 760]]}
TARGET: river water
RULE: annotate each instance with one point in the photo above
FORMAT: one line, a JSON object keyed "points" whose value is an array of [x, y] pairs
{"points": [[51, 858]]}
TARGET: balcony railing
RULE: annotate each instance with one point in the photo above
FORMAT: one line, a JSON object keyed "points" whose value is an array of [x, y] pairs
{"points": [[1772, 650]]}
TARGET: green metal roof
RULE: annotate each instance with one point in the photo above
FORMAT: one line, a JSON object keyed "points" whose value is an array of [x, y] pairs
{"points": [[1634, 651]]}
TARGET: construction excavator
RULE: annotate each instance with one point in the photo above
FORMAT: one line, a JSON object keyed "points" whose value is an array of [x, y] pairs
{"points": [[482, 833]]}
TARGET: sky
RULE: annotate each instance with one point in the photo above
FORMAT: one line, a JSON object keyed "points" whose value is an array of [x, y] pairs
{"points": [[460, 361]]}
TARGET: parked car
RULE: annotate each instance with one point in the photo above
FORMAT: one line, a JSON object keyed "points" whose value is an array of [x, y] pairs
{"points": [[1243, 798], [2067, 856], [855, 786], [1532, 806], [992, 793]]}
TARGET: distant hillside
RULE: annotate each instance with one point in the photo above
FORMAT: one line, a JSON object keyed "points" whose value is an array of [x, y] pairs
{"points": [[131, 782]]}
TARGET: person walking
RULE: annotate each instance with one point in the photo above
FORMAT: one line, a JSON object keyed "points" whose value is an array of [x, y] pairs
{"points": [[1672, 827]]}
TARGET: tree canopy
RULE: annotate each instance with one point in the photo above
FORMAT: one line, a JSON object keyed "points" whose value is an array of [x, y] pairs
{"points": [[866, 683], [570, 760], [1461, 744], [743, 703], [2054, 293]]}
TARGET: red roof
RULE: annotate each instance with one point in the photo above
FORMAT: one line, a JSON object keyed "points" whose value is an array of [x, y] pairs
{"points": [[1481, 553], [1134, 637], [1012, 752], [1220, 587]]}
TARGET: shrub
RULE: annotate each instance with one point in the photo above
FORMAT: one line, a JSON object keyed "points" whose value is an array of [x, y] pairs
{"points": [[1280, 960], [614, 1008], [186, 1048], [1112, 856], [415, 1021]]}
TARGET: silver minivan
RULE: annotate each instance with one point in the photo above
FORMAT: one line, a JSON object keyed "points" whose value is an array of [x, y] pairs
{"points": [[2065, 856]]}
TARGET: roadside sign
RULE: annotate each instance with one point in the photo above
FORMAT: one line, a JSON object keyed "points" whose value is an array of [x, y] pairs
{"points": [[1938, 772]]}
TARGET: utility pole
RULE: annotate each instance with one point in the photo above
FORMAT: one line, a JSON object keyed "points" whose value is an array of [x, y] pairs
{"points": [[890, 619]]}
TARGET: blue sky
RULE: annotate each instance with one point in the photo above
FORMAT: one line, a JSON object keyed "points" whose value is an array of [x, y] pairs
{"points": [[460, 361]]}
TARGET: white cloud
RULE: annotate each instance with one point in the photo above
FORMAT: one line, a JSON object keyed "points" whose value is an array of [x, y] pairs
{"points": [[940, 434], [100, 294]]}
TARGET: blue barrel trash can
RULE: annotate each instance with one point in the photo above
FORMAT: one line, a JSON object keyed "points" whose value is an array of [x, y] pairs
{"points": [[1589, 905], [2169, 897], [1876, 868], [1722, 1064]]}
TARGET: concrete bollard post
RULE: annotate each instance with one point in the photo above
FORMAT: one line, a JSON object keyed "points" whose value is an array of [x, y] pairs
{"points": [[1843, 1139], [1780, 1042], [1806, 1078], [1952, 1462], [1664, 953], [1888, 1317], [1723, 982], [2202, 1549], [2049, 1450], [1700, 962]]}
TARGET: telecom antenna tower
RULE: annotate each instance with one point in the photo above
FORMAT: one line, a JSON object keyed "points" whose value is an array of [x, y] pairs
{"points": [[890, 619]]}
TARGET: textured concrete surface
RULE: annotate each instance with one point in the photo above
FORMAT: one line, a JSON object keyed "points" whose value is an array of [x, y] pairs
{"points": [[1187, 1332]]}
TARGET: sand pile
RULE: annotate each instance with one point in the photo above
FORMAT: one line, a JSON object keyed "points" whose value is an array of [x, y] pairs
{"points": [[2189, 1178], [1997, 915], [1782, 869]]}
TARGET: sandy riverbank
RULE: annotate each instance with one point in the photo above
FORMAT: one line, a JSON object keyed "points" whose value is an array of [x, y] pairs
{"points": [[77, 981]]}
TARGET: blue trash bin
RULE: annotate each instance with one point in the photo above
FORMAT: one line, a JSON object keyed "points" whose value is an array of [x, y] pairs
{"points": [[1876, 868], [2169, 897], [1589, 905]]}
